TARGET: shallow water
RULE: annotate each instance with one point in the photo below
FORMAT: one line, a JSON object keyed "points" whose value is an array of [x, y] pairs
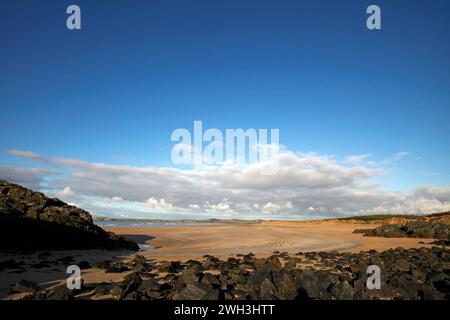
{"points": [[145, 247]]}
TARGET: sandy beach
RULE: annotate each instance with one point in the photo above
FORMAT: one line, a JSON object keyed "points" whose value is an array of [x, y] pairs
{"points": [[194, 241], [262, 239]]}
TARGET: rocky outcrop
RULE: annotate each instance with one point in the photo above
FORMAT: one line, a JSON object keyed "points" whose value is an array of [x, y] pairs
{"points": [[414, 274], [435, 226], [31, 221]]}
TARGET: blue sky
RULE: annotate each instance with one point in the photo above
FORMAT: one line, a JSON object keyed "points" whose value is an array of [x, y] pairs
{"points": [[114, 91]]}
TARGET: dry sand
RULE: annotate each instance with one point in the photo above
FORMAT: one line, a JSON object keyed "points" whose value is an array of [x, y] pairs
{"points": [[262, 239]]}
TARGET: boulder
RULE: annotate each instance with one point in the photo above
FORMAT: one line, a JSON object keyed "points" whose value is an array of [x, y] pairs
{"points": [[129, 285], [26, 286], [116, 267], [211, 280], [60, 292], [342, 291], [196, 291], [150, 289]]}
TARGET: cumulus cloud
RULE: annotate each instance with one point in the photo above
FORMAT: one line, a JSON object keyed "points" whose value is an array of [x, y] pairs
{"points": [[155, 203], [224, 205], [271, 207], [307, 185], [65, 193]]}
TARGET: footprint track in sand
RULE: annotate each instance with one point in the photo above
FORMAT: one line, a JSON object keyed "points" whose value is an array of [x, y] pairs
{"points": [[281, 243]]}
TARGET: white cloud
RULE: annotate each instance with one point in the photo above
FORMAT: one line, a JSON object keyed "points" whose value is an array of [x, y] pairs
{"points": [[67, 192], [26, 154], [396, 157], [155, 203], [224, 205], [116, 199], [306, 185], [356, 159]]}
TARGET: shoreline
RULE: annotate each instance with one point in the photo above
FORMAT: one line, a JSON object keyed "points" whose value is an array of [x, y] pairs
{"points": [[194, 242], [261, 239]]}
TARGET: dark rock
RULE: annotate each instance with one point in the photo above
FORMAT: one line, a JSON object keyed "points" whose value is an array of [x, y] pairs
{"points": [[116, 267], [211, 263], [103, 264], [233, 262], [429, 293], [286, 288], [130, 284], [132, 296], [209, 279], [361, 295], [101, 291], [169, 278], [60, 292], [40, 265], [273, 263], [405, 285], [194, 265], [31, 221], [26, 286], [150, 289], [315, 284], [342, 291], [441, 242], [65, 260], [139, 264], [170, 266], [153, 295], [44, 254], [188, 276], [291, 264], [401, 265], [84, 265], [257, 277], [11, 264], [238, 276], [196, 291], [267, 289], [116, 292], [433, 226]]}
